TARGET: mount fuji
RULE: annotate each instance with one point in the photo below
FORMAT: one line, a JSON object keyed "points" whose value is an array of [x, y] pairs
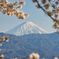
{"points": [[20, 46], [26, 28]]}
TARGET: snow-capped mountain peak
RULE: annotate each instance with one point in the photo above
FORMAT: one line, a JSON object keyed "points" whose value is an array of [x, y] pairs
{"points": [[26, 28]]}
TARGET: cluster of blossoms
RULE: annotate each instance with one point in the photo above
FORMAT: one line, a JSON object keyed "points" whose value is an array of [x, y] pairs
{"points": [[12, 8], [51, 8]]}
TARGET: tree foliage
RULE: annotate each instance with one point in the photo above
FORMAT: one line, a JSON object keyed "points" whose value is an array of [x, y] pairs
{"points": [[51, 8], [11, 9]]}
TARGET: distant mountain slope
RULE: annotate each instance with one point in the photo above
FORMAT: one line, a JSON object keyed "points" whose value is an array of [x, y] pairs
{"points": [[47, 45], [26, 28]]}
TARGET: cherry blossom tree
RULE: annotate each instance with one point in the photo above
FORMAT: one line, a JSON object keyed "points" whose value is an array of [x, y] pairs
{"points": [[11, 9], [51, 8]]}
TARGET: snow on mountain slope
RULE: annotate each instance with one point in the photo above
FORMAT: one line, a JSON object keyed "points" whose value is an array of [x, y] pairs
{"points": [[26, 28]]}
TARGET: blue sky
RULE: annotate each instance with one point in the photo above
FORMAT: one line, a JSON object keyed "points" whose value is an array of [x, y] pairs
{"points": [[35, 15]]}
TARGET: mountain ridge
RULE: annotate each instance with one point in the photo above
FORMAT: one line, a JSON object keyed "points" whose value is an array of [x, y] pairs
{"points": [[44, 44], [26, 28]]}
